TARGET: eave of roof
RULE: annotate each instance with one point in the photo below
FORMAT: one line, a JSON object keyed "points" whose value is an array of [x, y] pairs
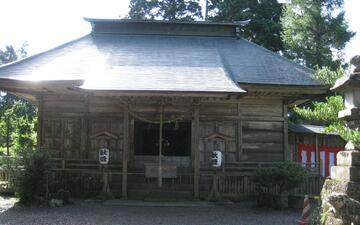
{"points": [[308, 129]]}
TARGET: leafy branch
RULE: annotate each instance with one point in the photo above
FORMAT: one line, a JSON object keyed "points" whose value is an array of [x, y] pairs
{"points": [[328, 111]]}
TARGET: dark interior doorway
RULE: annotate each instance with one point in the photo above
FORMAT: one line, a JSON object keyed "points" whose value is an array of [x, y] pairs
{"points": [[176, 139]]}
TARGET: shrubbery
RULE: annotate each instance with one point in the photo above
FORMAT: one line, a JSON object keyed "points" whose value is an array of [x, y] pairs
{"points": [[286, 175], [32, 180]]}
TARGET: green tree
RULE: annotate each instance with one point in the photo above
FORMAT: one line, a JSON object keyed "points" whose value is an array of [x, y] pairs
{"points": [[165, 9], [18, 127], [315, 32], [327, 111], [264, 27], [327, 76], [17, 116], [32, 181], [10, 54]]}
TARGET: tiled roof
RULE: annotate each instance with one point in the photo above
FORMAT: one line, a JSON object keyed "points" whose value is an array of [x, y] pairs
{"points": [[161, 62]]}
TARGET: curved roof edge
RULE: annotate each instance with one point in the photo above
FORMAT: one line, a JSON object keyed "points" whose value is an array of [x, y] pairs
{"points": [[7, 65]]}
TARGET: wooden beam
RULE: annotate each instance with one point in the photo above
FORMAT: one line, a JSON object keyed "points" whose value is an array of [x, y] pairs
{"points": [[195, 150], [286, 89], [287, 153], [243, 118], [126, 149]]}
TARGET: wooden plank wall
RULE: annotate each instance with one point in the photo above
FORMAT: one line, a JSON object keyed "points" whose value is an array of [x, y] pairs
{"points": [[68, 126], [255, 126]]}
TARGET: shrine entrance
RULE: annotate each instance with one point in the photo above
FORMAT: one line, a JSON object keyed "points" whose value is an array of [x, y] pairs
{"points": [[176, 139], [165, 166]]}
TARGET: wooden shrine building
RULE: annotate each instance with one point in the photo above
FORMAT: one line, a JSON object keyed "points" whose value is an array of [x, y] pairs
{"points": [[197, 86]]}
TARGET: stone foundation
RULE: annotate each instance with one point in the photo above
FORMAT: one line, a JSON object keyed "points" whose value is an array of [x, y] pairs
{"points": [[340, 195], [352, 189]]}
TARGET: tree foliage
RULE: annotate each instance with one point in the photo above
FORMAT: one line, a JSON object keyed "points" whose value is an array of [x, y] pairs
{"points": [[328, 111], [10, 54], [17, 127], [165, 9], [264, 27], [313, 30], [325, 111], [18, 117], [327, 76], [32, 181]]}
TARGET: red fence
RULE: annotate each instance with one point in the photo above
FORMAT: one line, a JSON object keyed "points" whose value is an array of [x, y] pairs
{"points": [[325, 156]]}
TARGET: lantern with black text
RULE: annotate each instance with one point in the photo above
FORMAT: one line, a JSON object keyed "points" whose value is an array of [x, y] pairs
{"points": [[216, 159], [104, 155]]}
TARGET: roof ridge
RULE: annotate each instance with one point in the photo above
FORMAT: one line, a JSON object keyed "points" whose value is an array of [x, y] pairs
{"points": [[7, 65], [197, 22]]}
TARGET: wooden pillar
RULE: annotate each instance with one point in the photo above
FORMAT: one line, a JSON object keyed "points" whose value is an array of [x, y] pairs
{"points": [[317, 154], [195, 150], [239, 135], [287, 153], [125, 154], [160, 148], [39, 135], [84, 130], [83, 136]]}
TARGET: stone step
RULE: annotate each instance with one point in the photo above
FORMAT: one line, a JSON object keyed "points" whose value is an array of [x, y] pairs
{"points": [[188, 187], [159, 194]]}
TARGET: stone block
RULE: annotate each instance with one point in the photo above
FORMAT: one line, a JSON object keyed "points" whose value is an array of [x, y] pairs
{"points": [[352, 189], [348, 158], [352, 98], [349, 114], [345, 208], [345, 173]]}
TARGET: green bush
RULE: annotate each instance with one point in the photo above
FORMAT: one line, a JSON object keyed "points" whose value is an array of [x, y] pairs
{"points": [[31, 184], [286, 175]]}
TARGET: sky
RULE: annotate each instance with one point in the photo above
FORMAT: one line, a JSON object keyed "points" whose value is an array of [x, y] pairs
{"points": [[45, 24]]}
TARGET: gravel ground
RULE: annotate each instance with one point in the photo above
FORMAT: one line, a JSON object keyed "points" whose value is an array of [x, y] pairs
{"points": [[96, 213]]}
